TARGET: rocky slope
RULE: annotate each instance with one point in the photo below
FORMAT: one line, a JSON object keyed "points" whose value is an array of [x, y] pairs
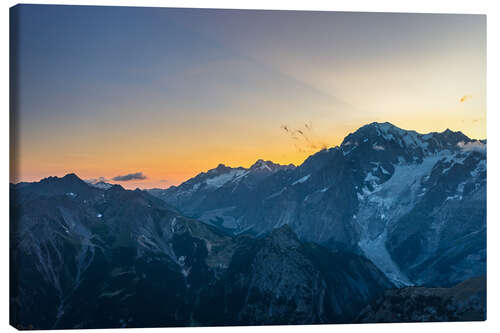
{"points": [[210, 194], [462, 302]]}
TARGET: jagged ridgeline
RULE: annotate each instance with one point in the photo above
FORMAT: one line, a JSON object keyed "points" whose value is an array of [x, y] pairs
{"points": [[389, 226]]}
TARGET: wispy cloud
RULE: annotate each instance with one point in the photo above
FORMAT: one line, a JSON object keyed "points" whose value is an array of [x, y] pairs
{"points": [[303, 136], [465, 98], [473, 146], [473, 121], [96, 180], [130, 176]]}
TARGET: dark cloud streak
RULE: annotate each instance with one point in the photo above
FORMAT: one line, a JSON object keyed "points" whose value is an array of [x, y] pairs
{"points": [[299, 134], [130, 176]]}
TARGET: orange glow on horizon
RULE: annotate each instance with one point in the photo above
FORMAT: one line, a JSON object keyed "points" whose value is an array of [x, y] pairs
{"points": [[167, 167]]}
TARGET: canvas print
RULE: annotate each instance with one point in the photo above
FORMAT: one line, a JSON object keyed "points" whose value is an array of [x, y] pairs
{"points": [[210, 167]]}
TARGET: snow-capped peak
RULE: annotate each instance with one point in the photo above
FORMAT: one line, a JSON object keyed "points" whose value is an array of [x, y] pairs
{"points": [[269, 166], [380, 136]]}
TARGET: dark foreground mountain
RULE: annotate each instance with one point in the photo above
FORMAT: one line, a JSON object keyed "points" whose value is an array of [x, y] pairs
{"points": [[463, 302], [414, 204], [89, 257]]}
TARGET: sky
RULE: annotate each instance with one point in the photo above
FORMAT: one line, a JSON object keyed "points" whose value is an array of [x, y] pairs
{"points": [[154, 96]]}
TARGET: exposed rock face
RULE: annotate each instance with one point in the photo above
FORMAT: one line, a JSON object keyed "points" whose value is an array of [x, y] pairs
{"points": [[289, 282], [463, 302], [111, 257]]}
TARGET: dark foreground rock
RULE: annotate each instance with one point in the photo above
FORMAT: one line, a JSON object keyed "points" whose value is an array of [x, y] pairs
{"points": [[465, 301]]}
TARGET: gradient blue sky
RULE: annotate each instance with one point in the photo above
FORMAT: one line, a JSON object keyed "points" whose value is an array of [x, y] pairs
{"points": [[106, 91]]}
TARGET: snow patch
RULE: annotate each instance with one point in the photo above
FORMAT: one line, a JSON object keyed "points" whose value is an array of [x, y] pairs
{"points": [[301, 180], [220, 180], [472, 146], [276, 193], [384, 171], [370, 177], [376, 251], [454, 197], [481, 167]]}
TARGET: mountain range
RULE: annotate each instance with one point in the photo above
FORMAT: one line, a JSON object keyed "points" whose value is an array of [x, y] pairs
{"points": [[414, 204], [388, 216]]}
